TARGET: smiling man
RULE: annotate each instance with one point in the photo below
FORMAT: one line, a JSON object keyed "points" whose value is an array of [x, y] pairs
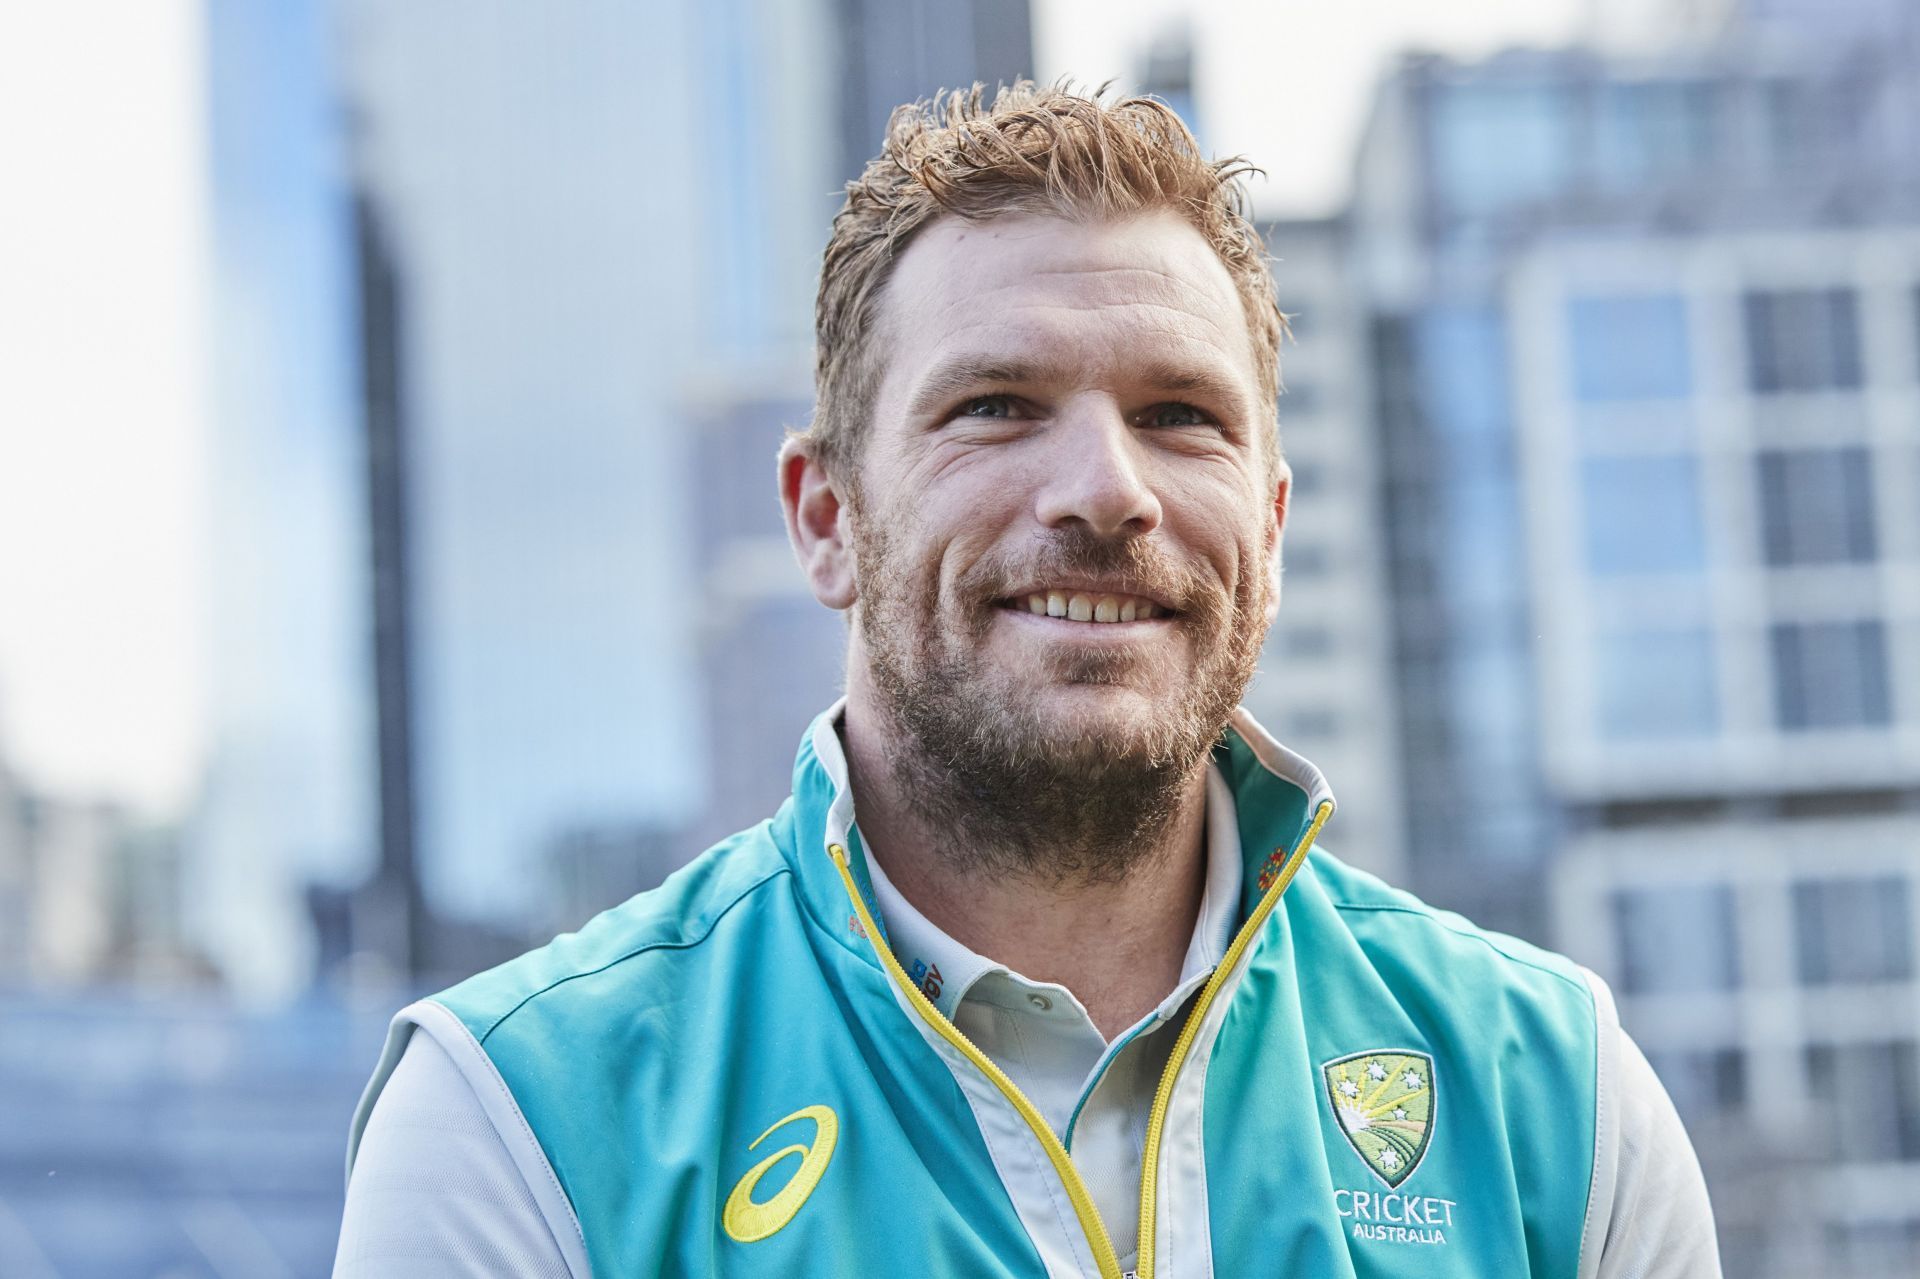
{"points": [[1038, 972]]}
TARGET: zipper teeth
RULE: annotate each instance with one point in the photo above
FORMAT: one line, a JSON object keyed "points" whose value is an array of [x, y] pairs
{"points": [[1083, 1205], [1163, 1095]]}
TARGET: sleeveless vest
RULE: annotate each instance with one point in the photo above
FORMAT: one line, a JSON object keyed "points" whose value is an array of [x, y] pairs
{"points": [[731, 1075]]}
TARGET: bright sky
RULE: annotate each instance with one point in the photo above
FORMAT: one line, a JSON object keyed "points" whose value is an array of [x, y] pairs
{"points": [[103, 360], [1285, 82], [102, 400]]}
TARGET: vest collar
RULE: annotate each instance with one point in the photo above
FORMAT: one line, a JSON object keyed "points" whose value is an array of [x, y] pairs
{"points": [[1275, 794]]}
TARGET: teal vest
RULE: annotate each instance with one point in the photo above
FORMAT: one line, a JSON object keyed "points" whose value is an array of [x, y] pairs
{"points": [[727, 1076]]}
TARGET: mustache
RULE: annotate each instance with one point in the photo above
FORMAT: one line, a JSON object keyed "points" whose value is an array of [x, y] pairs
{"points": [[1075, 551]]}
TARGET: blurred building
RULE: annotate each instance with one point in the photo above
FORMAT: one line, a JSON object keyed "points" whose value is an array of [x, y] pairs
{"points": [[174, 1137], [287, 795], [772, 657], [1325, 685], [1646, 334], [88, 895], [589, 247]]}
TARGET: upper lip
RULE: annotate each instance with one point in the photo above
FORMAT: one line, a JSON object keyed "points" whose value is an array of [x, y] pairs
{"points": [[1082, 586]]}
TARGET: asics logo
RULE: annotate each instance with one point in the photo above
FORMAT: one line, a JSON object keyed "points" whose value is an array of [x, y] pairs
{"points": [[749, 1220]]}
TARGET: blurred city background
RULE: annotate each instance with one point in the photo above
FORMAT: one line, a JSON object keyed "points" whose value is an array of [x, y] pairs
{"points": [[391, 576]]}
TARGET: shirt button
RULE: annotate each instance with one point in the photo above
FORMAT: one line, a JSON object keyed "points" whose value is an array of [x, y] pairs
{"points": [[1041, 1002]]}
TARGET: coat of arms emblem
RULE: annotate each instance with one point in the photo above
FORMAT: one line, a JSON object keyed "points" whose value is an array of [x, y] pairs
{"points": [[1383, 1102]]}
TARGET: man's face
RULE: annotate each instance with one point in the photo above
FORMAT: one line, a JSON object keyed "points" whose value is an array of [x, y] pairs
{"points": [[1066, 525]]}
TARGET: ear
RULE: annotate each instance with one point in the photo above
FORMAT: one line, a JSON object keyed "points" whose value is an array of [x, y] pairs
{"points": [[1282, 491], [816, 524]]}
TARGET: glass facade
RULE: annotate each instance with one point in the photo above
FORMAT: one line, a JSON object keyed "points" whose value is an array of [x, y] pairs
{"points": [[1651, 129], [1802, 340], [1656, 685], [1830, 674], [1816, 506], [1499, 145], [1852, 930], [1641, 514], [1676, 940], [1871, 1092], [1629, 348]]}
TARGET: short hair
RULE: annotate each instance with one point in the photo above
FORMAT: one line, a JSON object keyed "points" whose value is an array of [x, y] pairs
{"points": [[1033, 150]]}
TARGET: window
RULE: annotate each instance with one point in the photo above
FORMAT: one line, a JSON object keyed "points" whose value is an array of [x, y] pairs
{"points": [[1676, 940], [1652, 129], [1463, 369], [1802, 340], [1500, 145], [1642, 514], [1629, 348], [1816, 506], [1656, 685], [1702, 1083], [1830, 675], [1872, 1093], [1852, 930]]}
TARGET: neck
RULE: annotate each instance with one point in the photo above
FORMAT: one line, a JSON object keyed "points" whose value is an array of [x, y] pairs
{"points": [[1116, 939]]}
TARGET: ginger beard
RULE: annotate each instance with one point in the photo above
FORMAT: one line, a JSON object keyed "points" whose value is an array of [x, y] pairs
{"points": [[975, 745]]}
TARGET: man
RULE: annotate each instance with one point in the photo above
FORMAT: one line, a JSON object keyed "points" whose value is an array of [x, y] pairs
{"points": [[1037, 972]]}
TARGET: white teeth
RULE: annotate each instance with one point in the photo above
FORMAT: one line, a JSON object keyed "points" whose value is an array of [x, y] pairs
{"points": [[1092, 608]]}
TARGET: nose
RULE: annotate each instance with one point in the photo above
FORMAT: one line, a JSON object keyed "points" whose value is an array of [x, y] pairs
{"points": [[1095, 475]]}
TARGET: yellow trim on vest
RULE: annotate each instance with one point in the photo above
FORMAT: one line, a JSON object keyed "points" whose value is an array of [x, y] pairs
{"points": [[750, 1222], [1163, 1095], [1083, 1206]]}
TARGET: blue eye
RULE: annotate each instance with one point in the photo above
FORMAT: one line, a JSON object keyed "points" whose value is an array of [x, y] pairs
{"points": [[972, 407], [1176, 415]]}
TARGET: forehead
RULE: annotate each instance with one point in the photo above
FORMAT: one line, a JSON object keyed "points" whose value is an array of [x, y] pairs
{"points": [[1093, 293]]}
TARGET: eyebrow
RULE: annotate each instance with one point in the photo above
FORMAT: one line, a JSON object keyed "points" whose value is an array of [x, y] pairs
{"points": [[970, 373]]}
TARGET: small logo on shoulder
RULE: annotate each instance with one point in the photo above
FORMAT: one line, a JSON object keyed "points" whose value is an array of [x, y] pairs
{"points": [[748, 1220]]}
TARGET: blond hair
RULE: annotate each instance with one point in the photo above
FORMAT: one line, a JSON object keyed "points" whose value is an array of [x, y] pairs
{"points": [[1033, 150]]}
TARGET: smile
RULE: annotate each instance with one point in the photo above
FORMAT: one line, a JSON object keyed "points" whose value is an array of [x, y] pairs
{"points": [[1081, 606]]}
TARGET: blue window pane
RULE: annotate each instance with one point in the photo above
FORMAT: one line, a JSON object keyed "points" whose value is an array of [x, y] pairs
{"points": [[1642, 514], [1650, 129], [1656, 685], [1629, 348], [1677, 939], [1463, 369], [1500, 145], [1853, 930], [1830, 675], [1816, 506], [1803, 340]]}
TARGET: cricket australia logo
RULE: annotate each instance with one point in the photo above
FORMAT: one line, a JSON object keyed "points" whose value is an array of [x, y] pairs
{"points": [[1383, 1101]]}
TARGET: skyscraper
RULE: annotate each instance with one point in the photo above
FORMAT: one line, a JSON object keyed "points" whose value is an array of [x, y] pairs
{"points": [[287, 793]]}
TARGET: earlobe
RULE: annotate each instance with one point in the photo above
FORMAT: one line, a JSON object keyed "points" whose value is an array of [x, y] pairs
{"points": [[816, 524], [1275, 532]]}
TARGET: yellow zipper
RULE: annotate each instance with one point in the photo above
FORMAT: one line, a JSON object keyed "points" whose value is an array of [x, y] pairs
{"points": [[1083, 1207], [1163, 1095]]}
